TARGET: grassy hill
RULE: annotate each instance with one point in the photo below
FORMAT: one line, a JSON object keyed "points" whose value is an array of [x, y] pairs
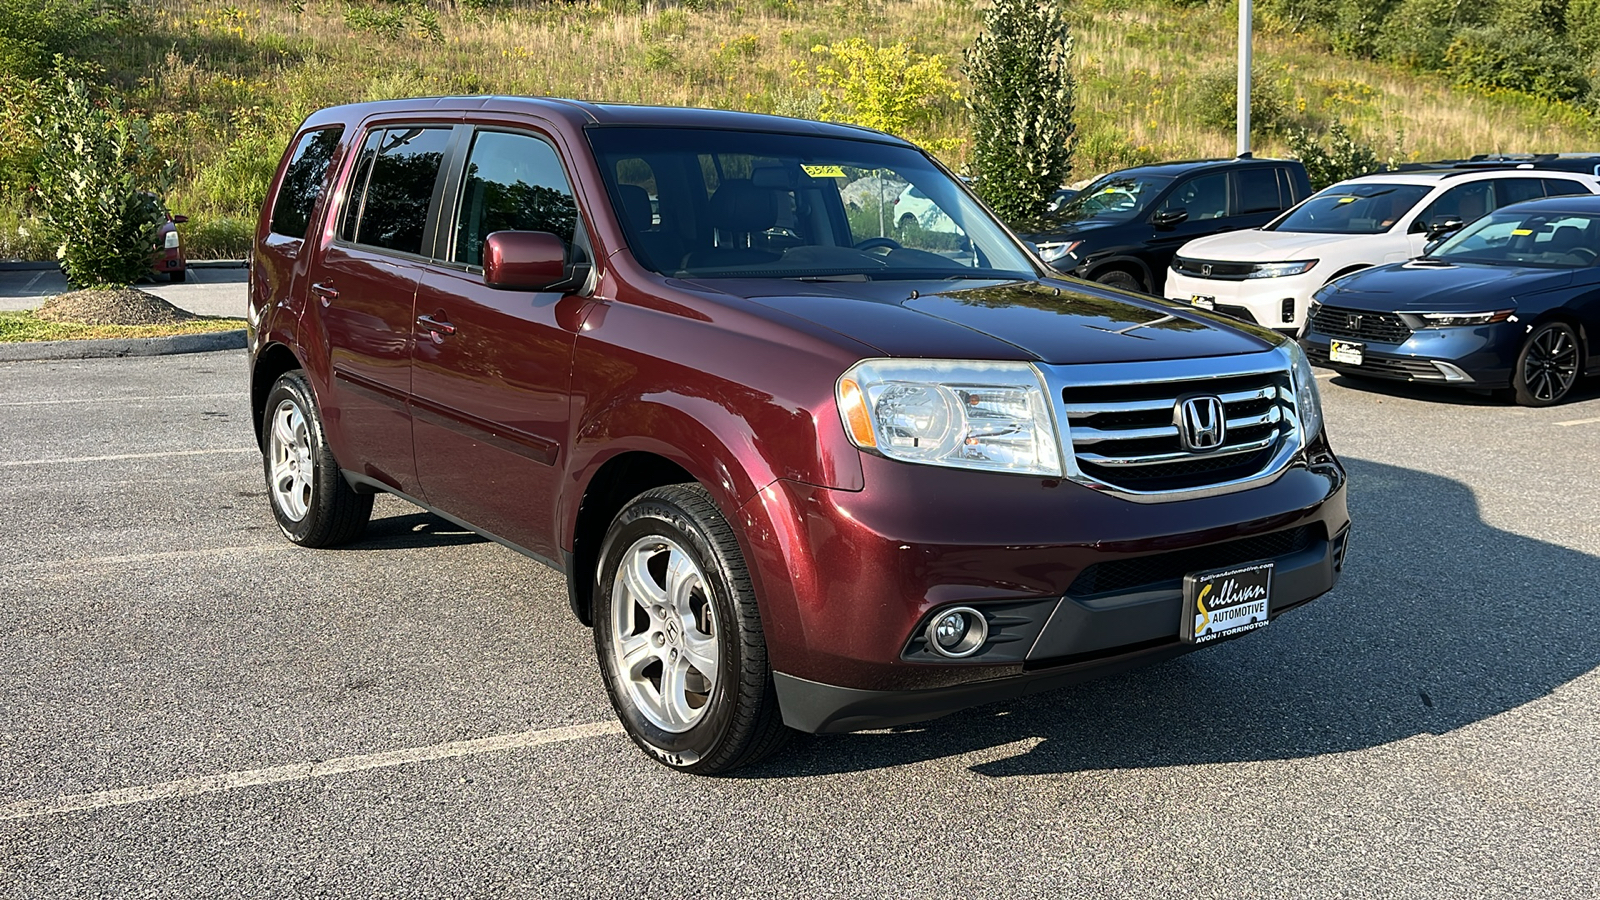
{"points": [[223, 84]]}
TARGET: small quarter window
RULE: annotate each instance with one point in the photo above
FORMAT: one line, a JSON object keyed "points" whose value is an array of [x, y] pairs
{"points": [[303, 181]]}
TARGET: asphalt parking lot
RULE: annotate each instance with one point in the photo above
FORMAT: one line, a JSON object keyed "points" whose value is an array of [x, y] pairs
{"points": [[190, 706]]}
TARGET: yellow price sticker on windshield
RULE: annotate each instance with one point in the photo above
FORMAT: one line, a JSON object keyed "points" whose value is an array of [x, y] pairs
{"points": [[1347, 199], [1519, 232], [824, 171]]}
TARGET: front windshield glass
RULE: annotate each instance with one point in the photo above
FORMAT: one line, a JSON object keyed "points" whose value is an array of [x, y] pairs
{"points": [[1353, 209], [1556, 240], [1112, 198], [707, 203]]}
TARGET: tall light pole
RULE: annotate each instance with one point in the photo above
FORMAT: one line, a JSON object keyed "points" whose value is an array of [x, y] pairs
{"points": [[1245, 10]]}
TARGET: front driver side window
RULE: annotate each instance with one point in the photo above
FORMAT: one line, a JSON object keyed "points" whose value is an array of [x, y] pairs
{"points": [[1466, 202], [514, 182], [1205, 197]]}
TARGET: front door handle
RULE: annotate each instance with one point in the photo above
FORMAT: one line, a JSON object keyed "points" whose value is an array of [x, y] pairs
{"points": [[437, 326], [325, 291]]}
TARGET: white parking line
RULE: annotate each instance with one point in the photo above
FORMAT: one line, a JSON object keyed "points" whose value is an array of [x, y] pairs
{"points": [[1329, 375], [228, 781], [1579, 422], [33, 281], [86, 459], [236, 394]]}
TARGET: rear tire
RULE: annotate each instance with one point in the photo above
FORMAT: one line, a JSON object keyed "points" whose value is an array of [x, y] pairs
{"points": [[679, 638], [1547, 366], [178, 276], [310, 499]]}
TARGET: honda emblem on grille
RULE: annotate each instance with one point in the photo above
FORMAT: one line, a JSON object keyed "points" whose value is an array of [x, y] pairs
{"points": [[1205, 270], [1352, 322], [1202, 422]]}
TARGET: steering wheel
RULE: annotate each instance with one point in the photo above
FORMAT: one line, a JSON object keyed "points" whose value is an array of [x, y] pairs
{"points": [[876, 243], [1584, 253]]}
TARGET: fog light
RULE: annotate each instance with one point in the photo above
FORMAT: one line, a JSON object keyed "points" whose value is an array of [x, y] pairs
{"points": [[956, 633], [1288, 310]]}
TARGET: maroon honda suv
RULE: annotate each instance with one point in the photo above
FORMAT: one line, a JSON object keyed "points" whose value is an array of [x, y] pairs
{"points": [[804, 466]]}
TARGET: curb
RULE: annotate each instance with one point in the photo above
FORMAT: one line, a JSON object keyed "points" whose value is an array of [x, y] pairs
{"points": [[30, 351]]}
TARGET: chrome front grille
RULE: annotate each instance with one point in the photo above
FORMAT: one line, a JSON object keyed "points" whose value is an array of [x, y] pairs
{"points": [[1126, 435]]}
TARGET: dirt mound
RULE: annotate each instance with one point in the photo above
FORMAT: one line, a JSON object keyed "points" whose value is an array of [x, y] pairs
{"points": [[112, 306]]}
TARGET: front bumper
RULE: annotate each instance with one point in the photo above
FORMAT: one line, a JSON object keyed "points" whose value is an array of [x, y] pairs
{"points": [[1263, 301], [1075, 584], [1486, 355]]}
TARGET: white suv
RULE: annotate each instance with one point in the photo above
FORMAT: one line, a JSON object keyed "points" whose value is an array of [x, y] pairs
{"points": [[1267, 275]]}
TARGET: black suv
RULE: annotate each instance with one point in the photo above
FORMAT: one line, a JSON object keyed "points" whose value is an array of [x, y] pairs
{"points": [[1124, 228]]}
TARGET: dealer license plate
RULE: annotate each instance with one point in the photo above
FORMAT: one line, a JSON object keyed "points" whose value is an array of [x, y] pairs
{"points": [[1203, 302], [1226, 601], [1347, 352]]}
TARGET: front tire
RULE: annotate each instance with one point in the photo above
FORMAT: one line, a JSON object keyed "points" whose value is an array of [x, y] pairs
{"points": [[1547, 366], [1117, 278], [679, 637], [310, 499]]}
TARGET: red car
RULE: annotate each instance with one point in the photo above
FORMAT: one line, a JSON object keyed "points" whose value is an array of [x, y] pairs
{"points": [[802, 468], [167, 255]]}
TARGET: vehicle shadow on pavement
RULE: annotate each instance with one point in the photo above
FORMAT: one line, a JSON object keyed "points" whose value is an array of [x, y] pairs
{"points": [[1441, 621], [415, 530]]}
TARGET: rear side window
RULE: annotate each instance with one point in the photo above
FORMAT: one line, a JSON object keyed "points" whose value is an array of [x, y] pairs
{"points": [[1256, 190], [1561, 187], [1515, 190], [303, 180], [514, 182], [393, 209]]}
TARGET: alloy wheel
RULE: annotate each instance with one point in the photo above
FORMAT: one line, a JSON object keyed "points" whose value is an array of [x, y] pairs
{"points": [[664, 633], [289, 452], [1551, 364]]}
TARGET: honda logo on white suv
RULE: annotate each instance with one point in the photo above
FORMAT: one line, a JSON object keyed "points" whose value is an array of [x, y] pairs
{"points": [[1201, 421]]}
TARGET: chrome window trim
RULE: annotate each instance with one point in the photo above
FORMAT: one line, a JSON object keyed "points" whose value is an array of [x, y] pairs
{"points": [[1276, 361]]}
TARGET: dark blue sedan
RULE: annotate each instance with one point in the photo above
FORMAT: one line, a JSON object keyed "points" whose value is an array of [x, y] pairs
{"points": [[1510, 302]]}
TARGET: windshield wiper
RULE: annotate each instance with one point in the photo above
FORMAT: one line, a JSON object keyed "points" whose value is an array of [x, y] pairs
{"points": [[853, 276]]}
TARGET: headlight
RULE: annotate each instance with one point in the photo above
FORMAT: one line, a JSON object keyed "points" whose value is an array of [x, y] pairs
{"points": [[966, 414], [1451, 320], [1281, 269], [172, 240], [1052, 252], [1308, 403]]}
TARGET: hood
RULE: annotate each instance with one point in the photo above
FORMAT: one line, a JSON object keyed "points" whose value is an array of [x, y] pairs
{"points": [[1256, 245], [1062, 230], [1423, 285], [1051, 322]]}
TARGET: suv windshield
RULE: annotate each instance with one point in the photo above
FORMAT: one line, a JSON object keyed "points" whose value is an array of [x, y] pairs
{"points": [[738, 204], [1546, 239], [1112, 198], [1353, 209]]}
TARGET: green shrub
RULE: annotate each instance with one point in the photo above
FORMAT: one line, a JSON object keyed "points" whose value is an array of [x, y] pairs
{"points": [[893, 88], [1583, 26], [1021, 105], [396, 20], [1214, 102], [26, 238], [99, 179], [1418, 33], [1533, 62], [1335, 155]]}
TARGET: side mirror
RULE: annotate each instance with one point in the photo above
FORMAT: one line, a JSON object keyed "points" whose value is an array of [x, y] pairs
{"points": [[1169, 218], [1032, 247], [179, 220], [528, 261], [1444, 226]]}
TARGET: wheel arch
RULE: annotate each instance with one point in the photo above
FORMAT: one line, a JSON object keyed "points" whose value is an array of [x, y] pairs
{"points": [[270, 363], [1347, 270], [612, 484], [1132, 265], [1564, 315]]}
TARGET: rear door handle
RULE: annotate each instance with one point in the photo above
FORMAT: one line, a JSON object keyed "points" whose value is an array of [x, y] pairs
{"points": [[438, 326]]}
